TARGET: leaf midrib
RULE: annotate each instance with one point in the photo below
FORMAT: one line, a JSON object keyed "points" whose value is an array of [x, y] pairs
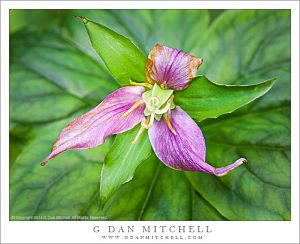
{"points": [[150, 190]]}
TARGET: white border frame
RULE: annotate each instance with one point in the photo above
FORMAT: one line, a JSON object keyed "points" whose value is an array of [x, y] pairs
{"points": [[82, 232]]}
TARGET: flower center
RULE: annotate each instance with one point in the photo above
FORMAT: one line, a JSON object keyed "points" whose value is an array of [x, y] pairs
{"points": [[158, 101]]}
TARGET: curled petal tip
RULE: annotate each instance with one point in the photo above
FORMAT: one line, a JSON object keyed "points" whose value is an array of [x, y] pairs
{"points": [[244, 160], [224, 170], [43, 163]]}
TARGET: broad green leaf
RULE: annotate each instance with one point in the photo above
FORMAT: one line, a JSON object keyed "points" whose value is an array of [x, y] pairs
{"points": [[186, 25], [202, 210], [170, 197], [51, 80], [64, 188], [123, 59], [75, 32], [21, 19], [150, 195], [128, 202], [18, 136], [60, 63], [122, 160], [204, 99], [260, 189], [36, 99], [242, 45], [153, 194]]}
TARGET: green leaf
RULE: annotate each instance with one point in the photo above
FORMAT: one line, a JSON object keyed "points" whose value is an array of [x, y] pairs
{"points": [[263, 45], [202, 210], [34, 94], [260, 189], [123, 59], [205, 99], [170, 190], [128, 202], [64, 188], [51, 83], [21, 19], [152, 194], [60, 63], [122, 160], [160, 26]]}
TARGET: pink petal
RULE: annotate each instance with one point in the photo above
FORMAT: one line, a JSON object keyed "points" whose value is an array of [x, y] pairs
{"points": [[186, 150], [91, 129], [172, 67]]}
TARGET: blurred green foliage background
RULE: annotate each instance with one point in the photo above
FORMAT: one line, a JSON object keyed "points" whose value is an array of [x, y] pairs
{"points": [[55, 75]]}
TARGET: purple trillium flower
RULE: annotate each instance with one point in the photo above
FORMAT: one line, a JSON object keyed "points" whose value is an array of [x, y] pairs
{"points": [[176, 139]]}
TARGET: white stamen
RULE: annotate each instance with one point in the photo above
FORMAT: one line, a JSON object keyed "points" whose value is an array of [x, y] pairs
{"points": [[138, 135], [150, 123], [133, 107]]}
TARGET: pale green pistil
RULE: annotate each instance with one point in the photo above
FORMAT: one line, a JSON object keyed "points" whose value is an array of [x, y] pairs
{"points": [[159, 101]]}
